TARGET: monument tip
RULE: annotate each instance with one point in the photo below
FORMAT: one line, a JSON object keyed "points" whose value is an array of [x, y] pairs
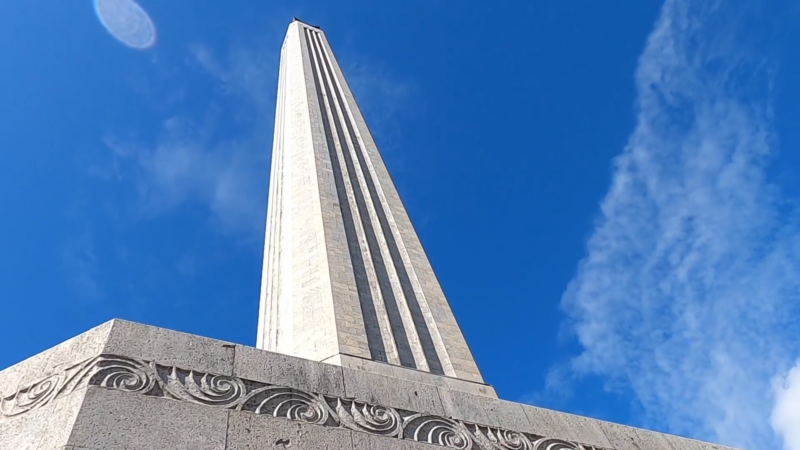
{"points": [[295, 19]]}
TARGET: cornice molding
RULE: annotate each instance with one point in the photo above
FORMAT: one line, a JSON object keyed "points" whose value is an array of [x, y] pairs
{"points": [[228, 392]]}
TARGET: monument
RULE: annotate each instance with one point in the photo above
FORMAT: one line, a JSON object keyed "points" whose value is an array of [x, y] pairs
{"points": [[357, 347]]}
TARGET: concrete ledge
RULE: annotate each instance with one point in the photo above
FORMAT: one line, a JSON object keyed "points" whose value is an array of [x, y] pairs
{"points": [[567, 426], [164, 388], [169, 347], [405, 373], [274, 368]]}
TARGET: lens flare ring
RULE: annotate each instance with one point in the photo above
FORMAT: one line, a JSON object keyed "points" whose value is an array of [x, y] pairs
{"points": [[127, 22]]}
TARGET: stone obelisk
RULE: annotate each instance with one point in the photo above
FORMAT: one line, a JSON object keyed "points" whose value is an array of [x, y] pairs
{"points": [[345, 278], [357, 346]]}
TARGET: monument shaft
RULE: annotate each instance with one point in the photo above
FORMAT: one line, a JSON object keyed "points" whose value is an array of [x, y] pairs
{"points": [[345, 275]]}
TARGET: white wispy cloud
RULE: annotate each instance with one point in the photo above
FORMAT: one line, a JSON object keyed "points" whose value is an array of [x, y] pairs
{"points": [[217, 157], [79, 265], [381, 94], [688, 293], [786, 414]]}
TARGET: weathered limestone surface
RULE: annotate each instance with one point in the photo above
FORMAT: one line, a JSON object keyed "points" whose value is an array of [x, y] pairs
{"points": [[406, 373], [126, 386], [116, 420]]}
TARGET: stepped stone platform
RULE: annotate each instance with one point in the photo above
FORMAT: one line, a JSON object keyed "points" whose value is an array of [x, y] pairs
{"points": [[126, 386]]}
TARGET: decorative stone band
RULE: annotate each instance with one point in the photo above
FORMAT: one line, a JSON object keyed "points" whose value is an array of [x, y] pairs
{"points": [[220, 391]]}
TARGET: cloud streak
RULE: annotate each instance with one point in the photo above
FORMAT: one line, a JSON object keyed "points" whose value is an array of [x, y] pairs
{"points": [[217, 159], [79, 263], [786, 414], [691, 279]]}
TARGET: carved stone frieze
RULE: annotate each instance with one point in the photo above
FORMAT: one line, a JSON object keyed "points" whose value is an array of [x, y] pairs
{"points": [[220, 391]]}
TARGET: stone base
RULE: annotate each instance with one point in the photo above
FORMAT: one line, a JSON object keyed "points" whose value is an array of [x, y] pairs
{"points": [[125, 386]]}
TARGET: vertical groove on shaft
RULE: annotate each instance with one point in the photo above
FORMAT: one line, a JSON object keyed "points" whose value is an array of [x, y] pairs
{"points": [[399, 333], [267, 326], [425, 348], [421, 327], [374, 339]]}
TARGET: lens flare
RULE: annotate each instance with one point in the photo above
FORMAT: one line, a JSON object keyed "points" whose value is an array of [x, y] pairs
{"points": [[127, 22]]}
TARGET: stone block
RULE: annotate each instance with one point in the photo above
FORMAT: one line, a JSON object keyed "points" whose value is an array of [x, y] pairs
{"points": [[628, 438], [274, 368], [584, 430], [116, 420], [365, 365], [363, 441], [248, 431], [483, 410], [65, 411], [394, 392], [170, 348], [25, 432], [467, 386], [656, 440], [505, 414], [543, 422], [564, 426], [464, 406], [681, 443], [406, 373]]}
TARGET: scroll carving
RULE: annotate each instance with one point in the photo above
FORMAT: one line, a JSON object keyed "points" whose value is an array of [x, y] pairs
{"points": [[220, 391]]}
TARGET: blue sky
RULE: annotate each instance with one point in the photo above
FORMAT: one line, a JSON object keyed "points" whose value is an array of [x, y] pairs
{"points": [[607, 191]]}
